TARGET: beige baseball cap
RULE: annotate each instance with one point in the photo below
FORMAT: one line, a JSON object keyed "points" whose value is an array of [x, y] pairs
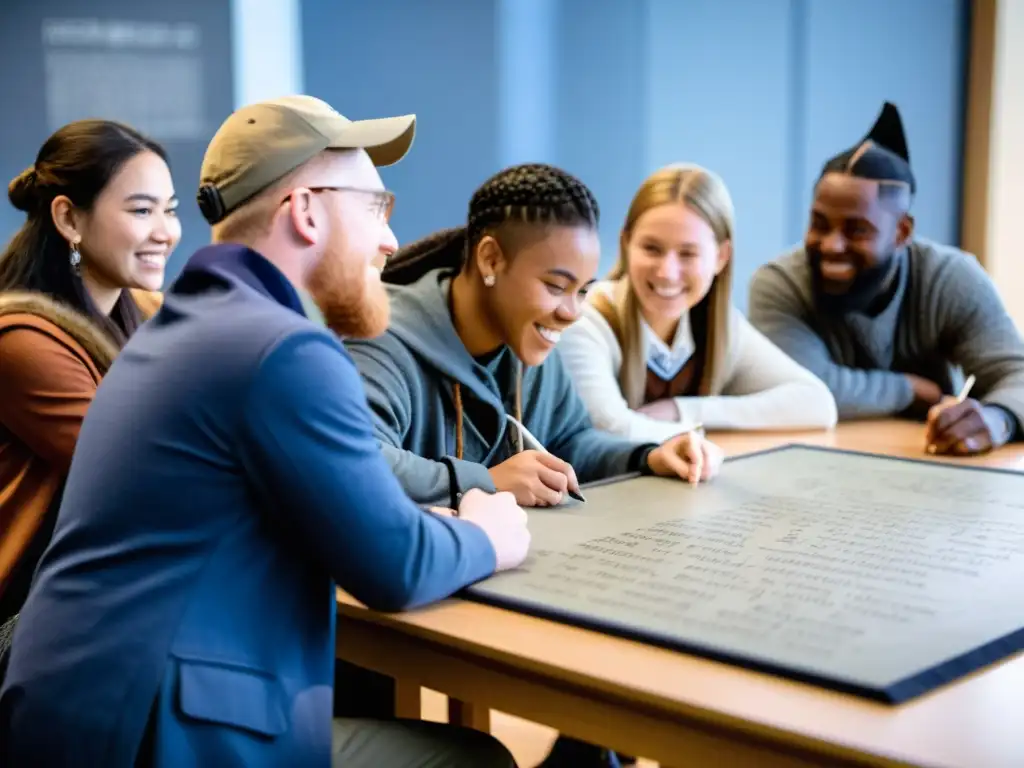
{"points": [[260, 143]]}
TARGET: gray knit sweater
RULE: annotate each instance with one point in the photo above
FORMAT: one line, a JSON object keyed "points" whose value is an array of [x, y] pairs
{"points": [[944, 322]]}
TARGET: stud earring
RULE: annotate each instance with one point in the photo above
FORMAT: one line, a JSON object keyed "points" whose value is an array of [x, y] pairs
{"points": [[75, 258], [489, 280]]}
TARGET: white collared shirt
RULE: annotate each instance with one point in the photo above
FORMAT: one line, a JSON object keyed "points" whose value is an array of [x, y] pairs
{"points": [[664, 360], [763, 388]]}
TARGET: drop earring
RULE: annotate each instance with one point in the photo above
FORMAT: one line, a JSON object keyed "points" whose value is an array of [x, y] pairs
{"points": [[489, 281], [75, 258]]}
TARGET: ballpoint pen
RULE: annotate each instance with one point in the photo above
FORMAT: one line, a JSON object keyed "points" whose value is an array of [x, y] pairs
{"points": [[698, 428], [965, 390], [535, 445]]}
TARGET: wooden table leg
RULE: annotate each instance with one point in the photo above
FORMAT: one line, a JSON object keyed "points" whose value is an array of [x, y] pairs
{"points": [[408, 701], [469, 715]]}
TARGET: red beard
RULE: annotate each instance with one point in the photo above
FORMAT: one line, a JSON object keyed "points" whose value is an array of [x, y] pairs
{"points": [[353, 304]]}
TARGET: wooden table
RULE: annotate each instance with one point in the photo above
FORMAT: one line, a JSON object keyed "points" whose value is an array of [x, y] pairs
{"points": [[678, 709]]}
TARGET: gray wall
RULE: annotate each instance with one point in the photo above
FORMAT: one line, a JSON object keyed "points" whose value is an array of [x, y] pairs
{"points": [[174, 82], [435, 59], [762, 91]]}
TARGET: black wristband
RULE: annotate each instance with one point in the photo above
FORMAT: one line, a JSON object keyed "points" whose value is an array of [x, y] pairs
{"points": [[453, 484], [638, 460]]}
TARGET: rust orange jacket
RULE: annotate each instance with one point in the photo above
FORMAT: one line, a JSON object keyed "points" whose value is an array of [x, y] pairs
{"points": [[51, 360]]}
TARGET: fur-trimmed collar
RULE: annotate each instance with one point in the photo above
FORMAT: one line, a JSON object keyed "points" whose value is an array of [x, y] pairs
{"points": [[93, 340]]}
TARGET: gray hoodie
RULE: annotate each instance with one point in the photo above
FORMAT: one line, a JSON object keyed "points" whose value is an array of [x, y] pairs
{"points": [[408, 373]]}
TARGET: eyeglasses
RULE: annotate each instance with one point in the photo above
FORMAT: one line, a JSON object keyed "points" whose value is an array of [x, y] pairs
{"points": [[383, 200]]}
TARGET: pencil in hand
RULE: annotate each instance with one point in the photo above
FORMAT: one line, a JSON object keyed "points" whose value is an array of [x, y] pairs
{"points": [[965, 391], [535, 444]]}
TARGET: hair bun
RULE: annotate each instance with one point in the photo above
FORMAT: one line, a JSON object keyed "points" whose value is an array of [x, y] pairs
{"points": [[23, 190]]}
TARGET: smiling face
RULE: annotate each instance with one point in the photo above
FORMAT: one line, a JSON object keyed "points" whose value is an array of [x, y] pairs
{"points": [[132, 228], [673, 259], [539, 289], [856, 226]]}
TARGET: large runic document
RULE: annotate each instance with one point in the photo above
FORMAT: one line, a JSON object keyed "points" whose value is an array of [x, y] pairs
{"points": [[877, 576]]}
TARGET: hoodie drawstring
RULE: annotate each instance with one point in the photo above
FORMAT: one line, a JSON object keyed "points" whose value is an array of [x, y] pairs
{"points": [[457, 391]]}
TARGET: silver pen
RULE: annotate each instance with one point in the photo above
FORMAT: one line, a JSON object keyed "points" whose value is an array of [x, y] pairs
{"points": [[535, 445], [698, 429], [965, 390]]}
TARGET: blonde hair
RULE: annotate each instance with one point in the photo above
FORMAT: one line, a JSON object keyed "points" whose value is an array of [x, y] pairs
{"points": [[703, 192], [247, 223], [253, 219]]}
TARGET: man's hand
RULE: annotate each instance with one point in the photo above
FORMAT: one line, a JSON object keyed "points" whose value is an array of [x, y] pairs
{"points": [[926, 394], [662, 410], [503, 521], [964, 429], [537, 479], [687, 456]]}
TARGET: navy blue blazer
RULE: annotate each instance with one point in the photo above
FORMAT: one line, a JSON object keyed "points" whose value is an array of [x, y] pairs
{"points": [[226, 476]]}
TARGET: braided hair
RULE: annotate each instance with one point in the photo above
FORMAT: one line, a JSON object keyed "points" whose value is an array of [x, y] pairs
{"points": [[533, 193]]}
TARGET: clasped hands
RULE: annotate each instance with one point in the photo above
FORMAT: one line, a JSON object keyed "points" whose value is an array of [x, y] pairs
{"points": [[539, 479]]}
